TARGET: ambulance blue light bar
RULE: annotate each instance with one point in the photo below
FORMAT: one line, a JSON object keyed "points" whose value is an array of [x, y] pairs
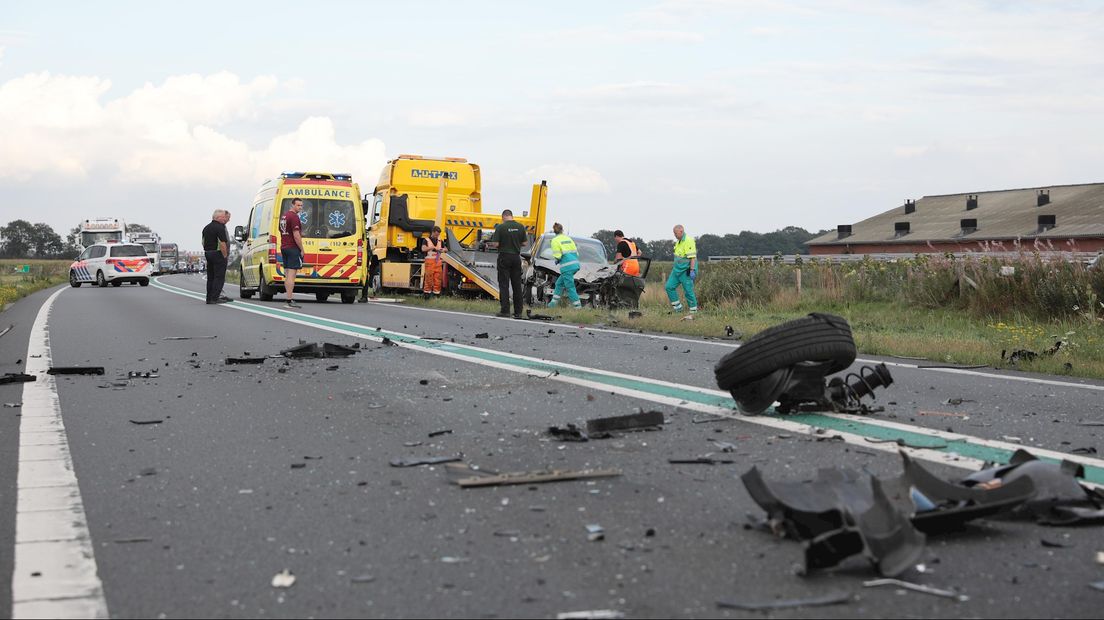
{"points": [[344, 176]]}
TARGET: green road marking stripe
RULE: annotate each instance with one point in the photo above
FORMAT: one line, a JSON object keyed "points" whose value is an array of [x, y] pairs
{"points": [[962, 447]]}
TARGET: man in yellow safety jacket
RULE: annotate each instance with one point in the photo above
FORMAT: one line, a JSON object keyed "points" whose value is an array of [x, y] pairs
{"points": [[566, 254], [684, 272]]}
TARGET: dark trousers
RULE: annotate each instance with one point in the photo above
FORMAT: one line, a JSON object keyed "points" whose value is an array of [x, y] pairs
{"points": [[216, 274], [509, 275]]}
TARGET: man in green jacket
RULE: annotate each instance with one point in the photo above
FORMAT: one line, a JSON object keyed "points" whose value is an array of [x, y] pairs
{"points": [[684, 272], [567, 257]]}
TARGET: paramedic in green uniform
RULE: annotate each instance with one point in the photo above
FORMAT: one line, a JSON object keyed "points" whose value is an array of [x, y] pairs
{"points": [[685, 271], [567, 257]]}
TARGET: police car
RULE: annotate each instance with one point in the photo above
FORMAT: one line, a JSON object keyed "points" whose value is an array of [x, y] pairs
{"points": [[111, 262]]}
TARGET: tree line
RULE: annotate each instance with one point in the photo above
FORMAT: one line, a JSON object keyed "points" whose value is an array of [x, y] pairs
{"points": [[22, 239], [788, 240]]}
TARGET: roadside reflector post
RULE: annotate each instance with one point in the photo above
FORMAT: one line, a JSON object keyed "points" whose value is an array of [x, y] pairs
{"points": [[797, 276]]}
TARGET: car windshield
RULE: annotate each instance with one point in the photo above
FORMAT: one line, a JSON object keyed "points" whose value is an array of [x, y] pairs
{"points": [[325, 219], [91, 238], [128, 251], [151, 248], [591, 251]]}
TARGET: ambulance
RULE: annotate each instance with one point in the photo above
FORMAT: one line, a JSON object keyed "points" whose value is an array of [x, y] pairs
{"points": [[333, 237]]}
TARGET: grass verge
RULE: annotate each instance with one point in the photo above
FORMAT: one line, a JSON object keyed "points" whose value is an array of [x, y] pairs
{"points": [[15, 283], [939, 336]]}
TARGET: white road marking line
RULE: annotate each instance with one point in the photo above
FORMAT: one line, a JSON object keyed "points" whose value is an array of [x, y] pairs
{"points": [[55, 572], [946, 457], [731, 345]]}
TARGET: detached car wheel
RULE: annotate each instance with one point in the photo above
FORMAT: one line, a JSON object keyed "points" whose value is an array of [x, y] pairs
{"points": [[816, 338], [73, 281]]}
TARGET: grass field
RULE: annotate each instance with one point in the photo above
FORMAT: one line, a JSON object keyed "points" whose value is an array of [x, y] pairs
{"points": [[16, 284], [939, 335]]}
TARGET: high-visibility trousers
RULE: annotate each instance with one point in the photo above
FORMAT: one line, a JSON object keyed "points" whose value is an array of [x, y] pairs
{"points": [[431, 276]]}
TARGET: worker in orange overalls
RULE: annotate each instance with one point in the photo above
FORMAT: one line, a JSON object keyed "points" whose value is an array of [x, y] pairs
{"points": [[432, 247], [626, 254]]}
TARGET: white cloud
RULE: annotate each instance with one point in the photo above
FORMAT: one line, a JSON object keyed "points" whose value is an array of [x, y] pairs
{"points": [[169, 133], [569, 178], [611, 36], [433, 118]]}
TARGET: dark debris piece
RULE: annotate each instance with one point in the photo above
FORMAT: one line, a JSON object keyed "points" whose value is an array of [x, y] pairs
{"points": [[701, 460], [17, 377], [75, 370], [245, 360], [146, 422], [319, 350], [433, 460], [1058, 498], [444, 431], [483, 335], [636, 421]]}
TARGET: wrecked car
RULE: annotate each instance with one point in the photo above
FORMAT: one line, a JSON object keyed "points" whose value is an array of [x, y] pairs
{"points": [[598, 282]]}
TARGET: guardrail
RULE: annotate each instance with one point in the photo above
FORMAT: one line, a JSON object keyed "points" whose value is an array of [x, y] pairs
{"points": [[791, 259]]}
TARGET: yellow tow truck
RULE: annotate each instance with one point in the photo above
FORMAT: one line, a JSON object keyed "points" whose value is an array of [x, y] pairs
{"points": [[416, 193]]}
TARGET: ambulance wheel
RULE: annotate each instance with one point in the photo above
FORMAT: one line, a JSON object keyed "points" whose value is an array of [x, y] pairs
{"points": [[116, 283], [348, 298], [243, 292], [73, 281], [143, 282], [321, 297], [263, 289], [101, 281], [814, 338]]}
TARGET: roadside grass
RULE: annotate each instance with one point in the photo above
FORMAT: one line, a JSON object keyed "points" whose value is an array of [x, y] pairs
{"points": [[891, 328], [16, 284]]}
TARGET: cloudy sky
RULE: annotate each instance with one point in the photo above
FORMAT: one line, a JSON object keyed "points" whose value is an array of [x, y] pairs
{"points": [[722, 115]]}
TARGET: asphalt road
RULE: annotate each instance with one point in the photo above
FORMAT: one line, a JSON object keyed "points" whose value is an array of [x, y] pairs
{"points": [[285, 465]]}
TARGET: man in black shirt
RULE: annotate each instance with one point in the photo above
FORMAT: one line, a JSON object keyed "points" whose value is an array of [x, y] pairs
{"points": [[216, 249], [509, 236]]}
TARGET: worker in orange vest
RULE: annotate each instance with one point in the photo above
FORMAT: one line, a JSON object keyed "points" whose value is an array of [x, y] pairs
{"points": [[432, 247], [626, 254]]}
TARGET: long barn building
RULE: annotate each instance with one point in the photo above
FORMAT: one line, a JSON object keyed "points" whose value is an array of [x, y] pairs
{"points": [[1060, 218]]}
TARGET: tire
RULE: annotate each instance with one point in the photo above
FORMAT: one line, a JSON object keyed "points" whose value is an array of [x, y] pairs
{"points": [[143, 282], [101, 281], [243, 292], [116, 283], [348, 298], [263, 289], [321, 297], [73, 281], [815, 338]]}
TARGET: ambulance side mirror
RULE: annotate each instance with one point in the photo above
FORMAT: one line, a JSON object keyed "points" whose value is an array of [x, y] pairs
{"points": [[239, 233]]}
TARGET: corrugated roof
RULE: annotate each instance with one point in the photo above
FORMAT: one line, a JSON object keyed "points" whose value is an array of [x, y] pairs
{"points": [[1004, 214]]}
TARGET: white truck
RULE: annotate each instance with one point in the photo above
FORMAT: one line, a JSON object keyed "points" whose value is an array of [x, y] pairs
{"points": [[101, 230], [151, 241]]}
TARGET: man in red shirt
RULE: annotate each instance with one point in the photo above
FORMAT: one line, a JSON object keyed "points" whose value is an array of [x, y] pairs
{"points": [[291, 247]]}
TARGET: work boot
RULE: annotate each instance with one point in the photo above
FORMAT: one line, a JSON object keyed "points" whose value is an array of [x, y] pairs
{"points": [[425, 296], [503, 315]]}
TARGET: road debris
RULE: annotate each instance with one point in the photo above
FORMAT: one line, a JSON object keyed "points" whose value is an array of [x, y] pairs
{"points": [[245, 360], [594, 614], [1097, 585], [1057, 499], [569, 432], [75, 370], [834, 598], [637, 421], [129, 541], [283, 579], [916, 587], [540, 317], [12, 405], [432, 460], [482, 336], [190, 338], [319, 350], [146, 422], [595, 532], [468, 477], [445, 431], [7, 329], [907, 444], [17, 377]]}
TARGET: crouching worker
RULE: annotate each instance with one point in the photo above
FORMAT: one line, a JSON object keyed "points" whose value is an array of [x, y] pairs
{"points": [[567, 257]]}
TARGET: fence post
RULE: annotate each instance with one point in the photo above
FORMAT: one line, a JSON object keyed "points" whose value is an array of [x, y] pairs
{"points": [[797, 272]]}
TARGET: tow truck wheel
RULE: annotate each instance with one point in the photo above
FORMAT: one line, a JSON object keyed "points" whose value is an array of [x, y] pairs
{"points": [[73, 281], [348, 298], [101, 281], [321, 297], [243, 292]]}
